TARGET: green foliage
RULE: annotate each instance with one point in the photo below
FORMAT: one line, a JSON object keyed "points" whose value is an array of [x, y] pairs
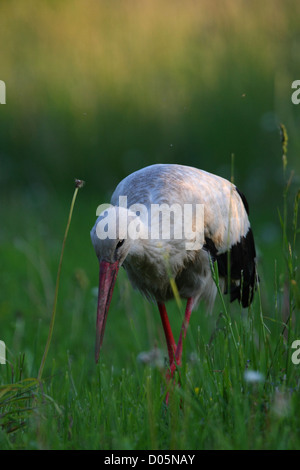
{"points": [[97, 92], [120, 403]]}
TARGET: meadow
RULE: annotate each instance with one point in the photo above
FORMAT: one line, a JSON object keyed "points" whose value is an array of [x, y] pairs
{"points": [[96, 90]]}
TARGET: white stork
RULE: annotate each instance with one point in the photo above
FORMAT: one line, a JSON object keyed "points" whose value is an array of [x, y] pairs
{"points": [[151, 262]]}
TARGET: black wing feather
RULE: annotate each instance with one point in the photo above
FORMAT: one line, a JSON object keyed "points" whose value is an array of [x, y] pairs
{"points": [[242, 259]]}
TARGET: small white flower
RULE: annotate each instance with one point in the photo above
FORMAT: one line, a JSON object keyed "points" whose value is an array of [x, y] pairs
{"points": [[253, 376], [153, 358]]}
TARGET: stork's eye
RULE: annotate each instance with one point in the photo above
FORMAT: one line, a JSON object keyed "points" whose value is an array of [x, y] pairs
{"points": [[119, 244]]}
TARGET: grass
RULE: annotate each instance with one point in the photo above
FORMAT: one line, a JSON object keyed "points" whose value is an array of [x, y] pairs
{"points": [[120, 403], [100, 92], [78, 184]]}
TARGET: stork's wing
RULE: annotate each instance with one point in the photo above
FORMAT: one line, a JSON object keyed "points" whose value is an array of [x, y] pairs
{"points": [[225, 215], [227, 230], [241, 257]]}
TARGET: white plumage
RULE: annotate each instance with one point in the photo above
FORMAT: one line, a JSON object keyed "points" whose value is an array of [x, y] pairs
{"points": [[151, 262]]}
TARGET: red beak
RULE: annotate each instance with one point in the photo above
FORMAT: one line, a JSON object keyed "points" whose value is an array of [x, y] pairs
{"points": [[107, 278]]}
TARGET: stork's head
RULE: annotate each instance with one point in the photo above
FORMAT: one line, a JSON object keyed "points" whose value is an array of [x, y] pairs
{"points": [[112, 245]]}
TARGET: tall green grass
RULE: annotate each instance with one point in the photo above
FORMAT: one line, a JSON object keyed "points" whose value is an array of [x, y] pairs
{"points": [[100, 91], [239, 388]]}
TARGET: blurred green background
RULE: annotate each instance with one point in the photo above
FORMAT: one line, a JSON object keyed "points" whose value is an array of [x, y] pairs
{"points": [[98, 89]]}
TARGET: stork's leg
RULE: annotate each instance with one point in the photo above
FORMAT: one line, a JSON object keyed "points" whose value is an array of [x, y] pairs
{"points": [[185, 323], [168, 331], [175, 352], [170, 342]]}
